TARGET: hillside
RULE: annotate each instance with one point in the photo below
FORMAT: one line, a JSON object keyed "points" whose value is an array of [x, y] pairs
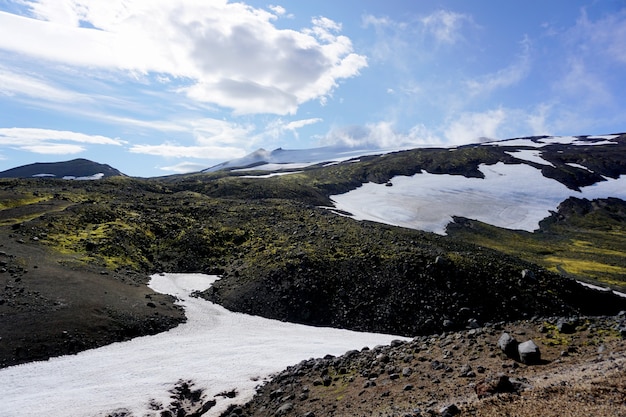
{"points": [[78, 169], [81, 252]]}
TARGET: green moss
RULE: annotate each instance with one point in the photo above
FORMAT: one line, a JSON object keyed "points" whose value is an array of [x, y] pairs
{"points": [[583, 249]]}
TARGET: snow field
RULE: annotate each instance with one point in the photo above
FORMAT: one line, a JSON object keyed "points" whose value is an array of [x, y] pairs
{"points": [[217, 349], [513, 196]]}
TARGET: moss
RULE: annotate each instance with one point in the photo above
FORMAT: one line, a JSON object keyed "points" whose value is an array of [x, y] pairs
{"points": [[582, 247]]}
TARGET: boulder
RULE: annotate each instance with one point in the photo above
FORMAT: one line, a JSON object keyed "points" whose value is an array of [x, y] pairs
{"points": [[529, 353], [449, 410], [508, 345], [566, 325]]}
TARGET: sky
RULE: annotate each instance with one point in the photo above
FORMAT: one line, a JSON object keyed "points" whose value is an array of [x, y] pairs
{"points": [[159, 87]]}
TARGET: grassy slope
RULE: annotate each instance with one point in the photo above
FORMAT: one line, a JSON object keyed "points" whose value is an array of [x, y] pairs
{"points": [[584, 240]]}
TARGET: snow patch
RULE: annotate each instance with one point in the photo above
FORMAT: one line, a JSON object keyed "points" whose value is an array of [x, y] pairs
{"points": [[87, 178], [514, 196], [530, 156], [578, 166], [216, 349]]}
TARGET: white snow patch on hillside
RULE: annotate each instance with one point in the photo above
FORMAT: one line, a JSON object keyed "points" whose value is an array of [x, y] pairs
{"points": [[530, 156], [270, 175], [218, 350], [93, 177], [555, 140], [510, 196], [578, 166]]}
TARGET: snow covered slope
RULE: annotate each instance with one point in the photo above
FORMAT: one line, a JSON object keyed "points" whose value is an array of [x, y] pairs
{"points": [[512, 195]]}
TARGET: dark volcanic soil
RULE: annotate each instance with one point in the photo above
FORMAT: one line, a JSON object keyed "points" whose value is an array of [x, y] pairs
{"points": [[51, 305]]}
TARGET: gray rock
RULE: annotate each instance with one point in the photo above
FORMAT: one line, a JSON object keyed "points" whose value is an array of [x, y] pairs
{"points": [[529, 353], [467, 372], [449, 410], [567, 326], [284, 409], [508, 344]]}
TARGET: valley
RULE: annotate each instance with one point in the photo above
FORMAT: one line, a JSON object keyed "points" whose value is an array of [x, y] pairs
{"points": [[77, 255]]}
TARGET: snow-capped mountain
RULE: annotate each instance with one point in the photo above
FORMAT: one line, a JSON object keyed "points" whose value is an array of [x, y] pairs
{"points": [[290, 159]]}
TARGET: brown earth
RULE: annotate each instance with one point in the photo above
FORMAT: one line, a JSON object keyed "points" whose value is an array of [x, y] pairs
{"points": [[51, 305], [580, 374]]}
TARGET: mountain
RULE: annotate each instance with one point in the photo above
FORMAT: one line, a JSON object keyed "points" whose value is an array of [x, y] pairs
{"points": [[417, 243], [76, 169], [292, 159]]}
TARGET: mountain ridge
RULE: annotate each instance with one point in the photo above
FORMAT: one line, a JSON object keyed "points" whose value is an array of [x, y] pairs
{"points": [[79, 168], [82, 253]]}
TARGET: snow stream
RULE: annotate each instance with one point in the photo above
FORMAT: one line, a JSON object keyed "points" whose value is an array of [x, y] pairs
{"points": [[216, 349]]}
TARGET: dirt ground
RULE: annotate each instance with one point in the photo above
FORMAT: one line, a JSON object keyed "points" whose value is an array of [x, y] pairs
{"points": [[51, 305]]}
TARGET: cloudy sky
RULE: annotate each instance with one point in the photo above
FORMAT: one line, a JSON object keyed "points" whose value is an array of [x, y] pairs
{"points": [[156, 87]]}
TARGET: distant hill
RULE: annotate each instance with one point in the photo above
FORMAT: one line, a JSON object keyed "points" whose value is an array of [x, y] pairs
{"points": [[76, 169], [290, 159]]}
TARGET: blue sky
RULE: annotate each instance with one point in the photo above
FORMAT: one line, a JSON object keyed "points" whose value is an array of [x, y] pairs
{"points": [[157, 87]]}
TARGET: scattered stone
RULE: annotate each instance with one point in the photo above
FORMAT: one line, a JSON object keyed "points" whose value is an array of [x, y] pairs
{"points": [[508, 345], [529, 353], [528, 274], [473, 324], [449, 410], [565, 325], [467, 372], [284, 409]]}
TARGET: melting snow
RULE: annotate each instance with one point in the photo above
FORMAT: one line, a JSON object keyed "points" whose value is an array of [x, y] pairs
{"points": [[578, 166], [555, 140], [514, 196], [218, 350], [531, 156]]}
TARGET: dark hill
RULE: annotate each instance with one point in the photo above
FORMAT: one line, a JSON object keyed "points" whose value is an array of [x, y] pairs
{"points": [[74, 169], [282, 255]]}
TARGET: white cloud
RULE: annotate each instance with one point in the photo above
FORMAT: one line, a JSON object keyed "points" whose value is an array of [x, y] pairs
{"points": [[48, 141], [180, 151], [471, 127], [230, 53], [605, 37], [279, 10], [505, 77], [584, 85], [381, 135], [12, 83], [278, 127], [54, 149], [445, 26], [185, 167]]}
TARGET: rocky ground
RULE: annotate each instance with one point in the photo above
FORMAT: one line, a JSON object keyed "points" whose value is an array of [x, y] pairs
{"points": [[50, 306], [581, 371]]}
